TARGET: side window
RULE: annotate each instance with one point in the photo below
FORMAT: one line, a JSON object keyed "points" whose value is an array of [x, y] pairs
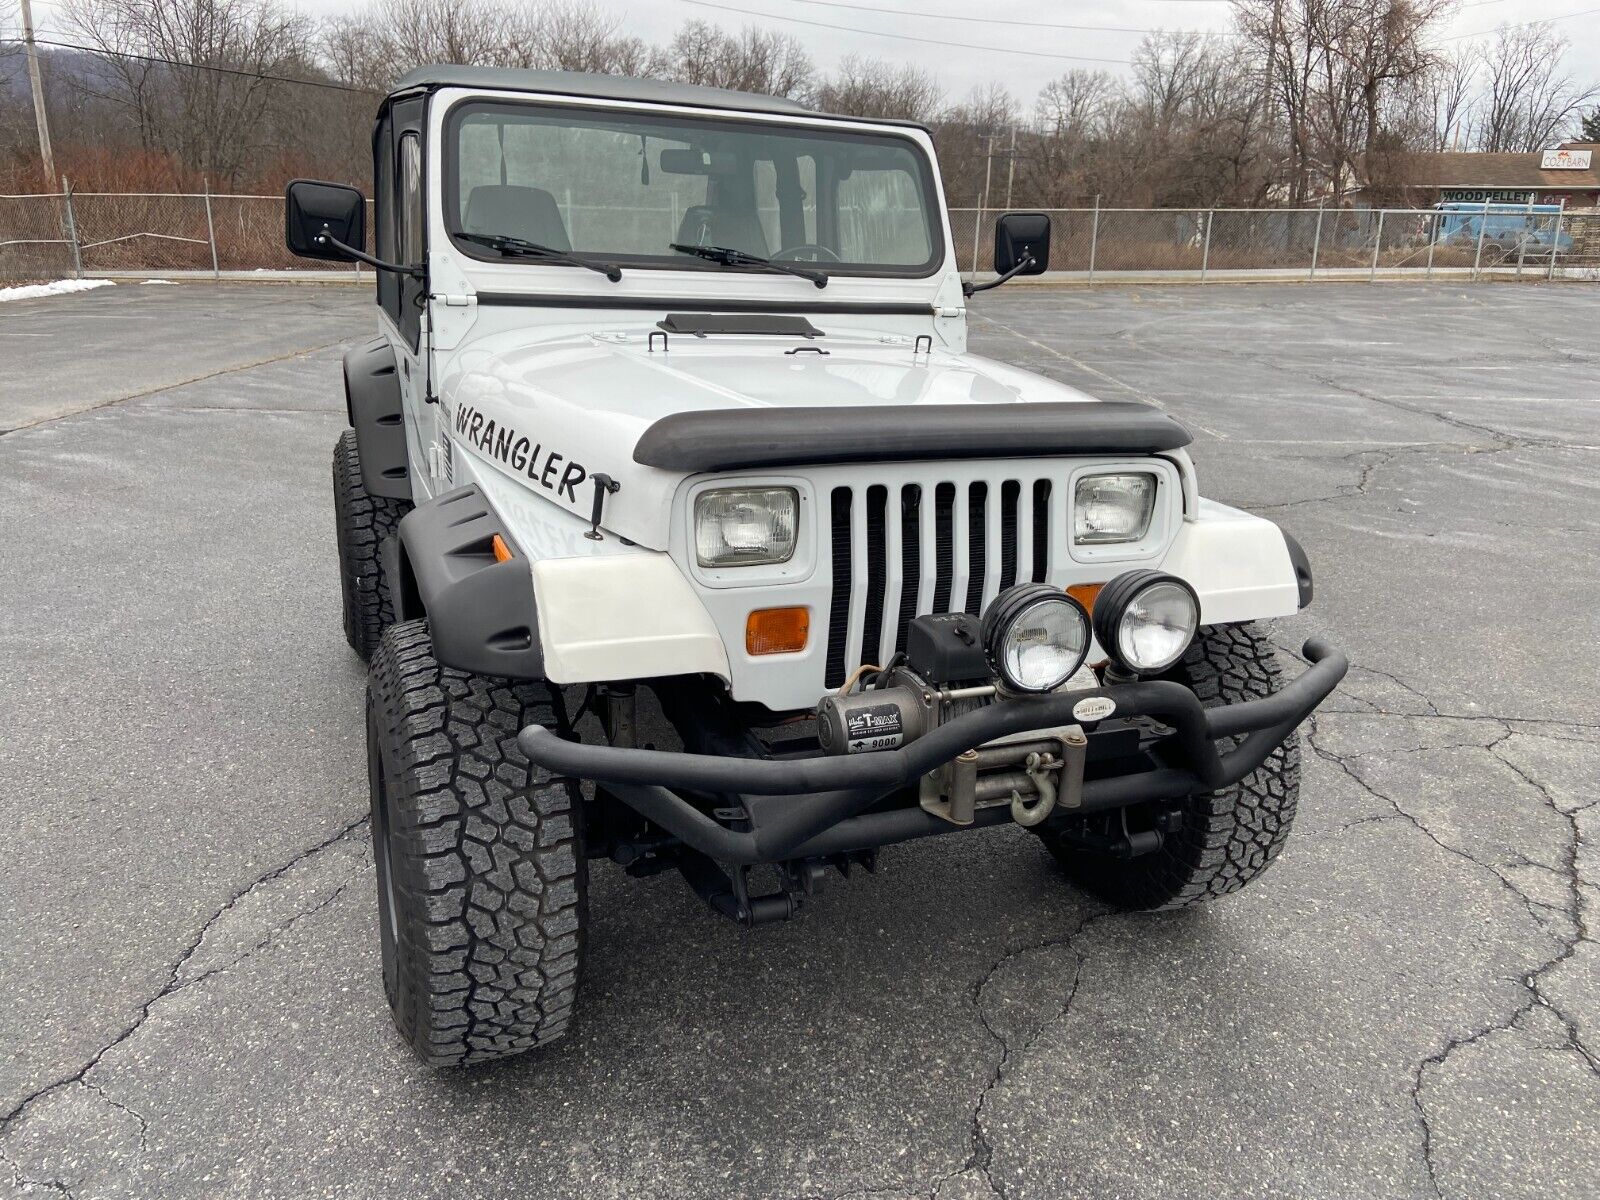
{"points": [[410, 206]]}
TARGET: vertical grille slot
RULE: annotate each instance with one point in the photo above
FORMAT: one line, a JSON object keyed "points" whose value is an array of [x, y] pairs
{"points": [[1041, 530], [899, 550], [977, 537], [910, 560], [877, 572], [1010, 491], [839, 608], [944, 504]]}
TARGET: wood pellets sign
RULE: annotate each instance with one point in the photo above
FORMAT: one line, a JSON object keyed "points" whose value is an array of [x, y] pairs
{"points": [[1485, 195], [1566, 160]]}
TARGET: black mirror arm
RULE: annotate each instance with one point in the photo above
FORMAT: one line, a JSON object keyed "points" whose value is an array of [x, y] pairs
{"points": [[328, 239], [969, 289]]}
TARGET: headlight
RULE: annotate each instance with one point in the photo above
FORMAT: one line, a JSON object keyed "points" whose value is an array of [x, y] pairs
{"points": [[745, 527], [1145, 620], [1112, 508], [1035, 637]]}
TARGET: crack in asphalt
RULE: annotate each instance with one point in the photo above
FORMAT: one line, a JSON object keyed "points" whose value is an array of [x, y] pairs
{"points": [[1570, 874], [23, 1180], [174, 386], [174, 984], [981, 1156]]}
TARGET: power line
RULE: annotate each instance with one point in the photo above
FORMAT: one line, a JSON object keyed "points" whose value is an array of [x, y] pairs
{"points": [[172, 62], [906, 37], [1456, 37], [928, 16]]}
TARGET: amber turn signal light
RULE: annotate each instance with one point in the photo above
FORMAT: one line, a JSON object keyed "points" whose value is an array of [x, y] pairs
{"points": [[1085, 593], [777, 630], [502, 552]]}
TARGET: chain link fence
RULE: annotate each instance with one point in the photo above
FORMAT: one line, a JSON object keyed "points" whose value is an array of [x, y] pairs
{"points": [[1201, 245], [145, 234]]}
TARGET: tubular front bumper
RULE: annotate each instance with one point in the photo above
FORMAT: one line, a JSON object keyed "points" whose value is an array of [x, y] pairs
{"points": [[810, 807]]}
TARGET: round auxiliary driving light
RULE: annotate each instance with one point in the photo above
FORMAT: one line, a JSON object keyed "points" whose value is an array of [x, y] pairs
{"points": [[1145, 620], [1035, 637]]}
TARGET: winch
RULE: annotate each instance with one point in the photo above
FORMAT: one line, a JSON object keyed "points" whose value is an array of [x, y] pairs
{"points": [[946, 671]]}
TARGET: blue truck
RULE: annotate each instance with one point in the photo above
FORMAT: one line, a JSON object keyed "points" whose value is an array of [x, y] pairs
{"points": [[1506, 231]]}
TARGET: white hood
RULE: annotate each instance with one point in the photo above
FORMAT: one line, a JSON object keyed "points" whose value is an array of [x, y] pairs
{"points": [[554, 413]]}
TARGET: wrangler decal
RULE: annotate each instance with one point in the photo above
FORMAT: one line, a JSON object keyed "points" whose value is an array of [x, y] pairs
{"points": [[520, 453]]}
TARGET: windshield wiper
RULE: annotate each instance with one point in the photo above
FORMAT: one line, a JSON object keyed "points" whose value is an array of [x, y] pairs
{"points": [[728, 257], [516, 247]]}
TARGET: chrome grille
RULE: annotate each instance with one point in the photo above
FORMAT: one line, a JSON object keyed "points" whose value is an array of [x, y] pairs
{"points": [[896, 556]]}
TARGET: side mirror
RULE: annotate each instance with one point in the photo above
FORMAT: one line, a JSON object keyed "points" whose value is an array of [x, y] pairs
{"points": [[314, 213], [1017, 237]]}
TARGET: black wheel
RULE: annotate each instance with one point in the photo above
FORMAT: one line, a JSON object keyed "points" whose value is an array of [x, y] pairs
{"points": [[480, 867], [1227, 837], [362, 521]]}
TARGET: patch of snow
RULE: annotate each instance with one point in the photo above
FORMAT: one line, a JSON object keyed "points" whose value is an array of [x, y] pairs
{"points": [[162, 282], [56, 287]]}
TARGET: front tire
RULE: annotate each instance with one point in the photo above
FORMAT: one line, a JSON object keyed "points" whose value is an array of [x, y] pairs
{"points": [[1228, 837], [479, 856], [362, 522]]}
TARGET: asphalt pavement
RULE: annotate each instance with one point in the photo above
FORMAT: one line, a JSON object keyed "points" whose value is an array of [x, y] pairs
{"points": [[1406, 1005]]}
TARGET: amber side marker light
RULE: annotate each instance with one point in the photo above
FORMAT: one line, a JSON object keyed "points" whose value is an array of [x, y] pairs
{"points": [[1085, 594], [777, 630], [502, 552]]}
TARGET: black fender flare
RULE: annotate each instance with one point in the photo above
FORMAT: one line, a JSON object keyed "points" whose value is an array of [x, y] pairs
{"points": [[1301, 564], [372, 405], [481, 610]]}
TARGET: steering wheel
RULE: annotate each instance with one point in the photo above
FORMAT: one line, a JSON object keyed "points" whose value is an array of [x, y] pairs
{"points": [[806, 252]]}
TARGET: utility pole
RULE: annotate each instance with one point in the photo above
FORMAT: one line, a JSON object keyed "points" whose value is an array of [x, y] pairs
{"points": [[988, 165], [37, 83], [1011, 166]]}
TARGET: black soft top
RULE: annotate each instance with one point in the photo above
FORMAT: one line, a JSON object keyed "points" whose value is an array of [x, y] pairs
{"points": [[607, 87]]}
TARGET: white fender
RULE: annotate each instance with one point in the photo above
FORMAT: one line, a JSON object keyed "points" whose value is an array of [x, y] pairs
{"points": [[1237, 563], [622, 616]]}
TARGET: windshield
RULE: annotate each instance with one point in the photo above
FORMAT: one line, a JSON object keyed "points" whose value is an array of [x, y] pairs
{"points": [[625, 187]]}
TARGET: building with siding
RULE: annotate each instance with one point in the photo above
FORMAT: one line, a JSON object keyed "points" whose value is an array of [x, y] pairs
{"points": [[1430, 179]]}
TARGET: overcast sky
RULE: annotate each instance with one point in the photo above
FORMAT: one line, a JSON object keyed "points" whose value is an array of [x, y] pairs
{"points": [[980, 47]]}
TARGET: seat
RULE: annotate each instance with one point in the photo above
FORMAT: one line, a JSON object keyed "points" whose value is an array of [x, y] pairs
{"points": [[704, 225], [529, 213]]}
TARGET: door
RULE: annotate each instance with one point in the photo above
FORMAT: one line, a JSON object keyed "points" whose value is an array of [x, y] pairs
{"points": [[400, 184]]}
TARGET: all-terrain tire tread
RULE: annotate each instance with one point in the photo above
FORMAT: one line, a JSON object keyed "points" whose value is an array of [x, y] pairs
{"points": [[486, 858], [362, 522], [1229, 837]]}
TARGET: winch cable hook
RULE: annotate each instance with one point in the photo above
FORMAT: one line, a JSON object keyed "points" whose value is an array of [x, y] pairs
{"points": [[1041, 769]]}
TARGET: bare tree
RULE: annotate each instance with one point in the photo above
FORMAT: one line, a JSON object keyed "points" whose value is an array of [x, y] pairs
{"points": [[1448, 92], [1338, 72], [394, 36], [1528, 98], [212, 120], [1069, 151], [753, 60], [870, 87], [578, 37]]}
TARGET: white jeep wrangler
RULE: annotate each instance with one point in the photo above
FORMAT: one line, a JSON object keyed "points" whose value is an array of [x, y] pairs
{"points": [[672, 392]]}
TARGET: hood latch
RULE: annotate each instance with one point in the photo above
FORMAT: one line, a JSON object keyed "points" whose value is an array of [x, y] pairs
{"points": [[604, 485]]}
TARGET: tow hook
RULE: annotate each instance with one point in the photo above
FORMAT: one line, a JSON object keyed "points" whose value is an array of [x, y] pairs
{"points": [[1051, 775], [1040, 768]]}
